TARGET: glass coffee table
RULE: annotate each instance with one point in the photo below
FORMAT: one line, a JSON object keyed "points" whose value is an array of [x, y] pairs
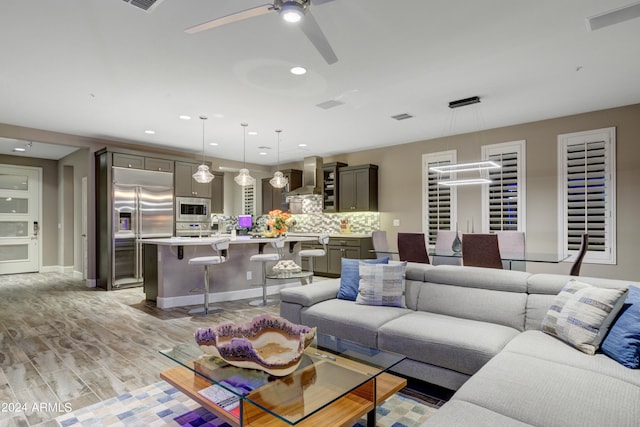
{"points": [[337, 383], [305, 277]]}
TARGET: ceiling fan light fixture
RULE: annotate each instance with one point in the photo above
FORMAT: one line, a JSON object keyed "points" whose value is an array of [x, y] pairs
{"points": [[292, 11]]}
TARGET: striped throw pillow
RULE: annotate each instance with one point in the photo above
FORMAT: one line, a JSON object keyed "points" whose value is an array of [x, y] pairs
{"points": [[382, 284], [581, 314]]}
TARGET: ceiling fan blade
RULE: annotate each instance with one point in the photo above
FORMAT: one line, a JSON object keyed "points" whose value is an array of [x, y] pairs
{"points": [[311, 29], [317, 2], [234, 17]]}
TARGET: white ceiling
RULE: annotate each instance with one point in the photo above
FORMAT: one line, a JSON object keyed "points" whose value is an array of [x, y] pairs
{"points": [[106, 69]]}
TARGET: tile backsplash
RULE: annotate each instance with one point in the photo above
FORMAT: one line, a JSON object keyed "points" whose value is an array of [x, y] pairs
{"points": [[359, 222]]}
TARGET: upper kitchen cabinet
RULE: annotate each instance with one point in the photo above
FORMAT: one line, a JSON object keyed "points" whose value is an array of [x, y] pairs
{"points": [[160, 165], [272, 198], [185, 185], [217, 193], [358, 188], [132, 161], [330, 180]]}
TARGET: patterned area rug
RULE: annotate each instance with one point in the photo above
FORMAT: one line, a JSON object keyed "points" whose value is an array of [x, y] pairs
{"points": [[161, 404]]}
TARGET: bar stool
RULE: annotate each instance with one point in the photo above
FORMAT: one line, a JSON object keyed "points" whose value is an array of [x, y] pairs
{"points": [[323, 239], [278, 244], [218, 246]]}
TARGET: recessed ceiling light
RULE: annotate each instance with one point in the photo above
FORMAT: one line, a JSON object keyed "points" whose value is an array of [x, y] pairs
{"points": [[213, 144], [20, 149], [150, 132], [298, 71], [263, 153], [185, 117], [302, 145], [252, 132]]}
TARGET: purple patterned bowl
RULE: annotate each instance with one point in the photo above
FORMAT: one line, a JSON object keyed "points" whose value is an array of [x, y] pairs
{"points": [[269, 343]]}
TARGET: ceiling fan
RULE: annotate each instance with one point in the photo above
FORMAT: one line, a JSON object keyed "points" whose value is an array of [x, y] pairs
{"points": [[295, 11]]}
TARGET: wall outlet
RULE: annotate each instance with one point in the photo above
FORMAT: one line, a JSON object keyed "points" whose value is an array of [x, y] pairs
{"points": [[249, 275], [396, 223]]}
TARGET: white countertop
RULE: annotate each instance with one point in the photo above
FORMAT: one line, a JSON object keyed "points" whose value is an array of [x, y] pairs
{"points": [[197, 241], [334, 235]]}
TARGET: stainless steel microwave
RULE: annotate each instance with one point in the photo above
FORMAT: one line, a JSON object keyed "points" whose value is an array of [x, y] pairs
{"points": [[192, 209]]}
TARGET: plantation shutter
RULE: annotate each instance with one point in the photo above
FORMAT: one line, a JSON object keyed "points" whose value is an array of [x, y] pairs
{"points": [[248, 197], [587, 187], [439, 199], [503, 193]]}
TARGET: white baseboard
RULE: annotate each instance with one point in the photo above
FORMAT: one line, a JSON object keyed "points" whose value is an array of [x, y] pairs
{"points": [[197, 299], [57, 269]]}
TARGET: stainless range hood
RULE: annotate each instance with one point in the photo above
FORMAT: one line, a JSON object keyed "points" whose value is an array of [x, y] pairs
{"points": [[311, 177]]}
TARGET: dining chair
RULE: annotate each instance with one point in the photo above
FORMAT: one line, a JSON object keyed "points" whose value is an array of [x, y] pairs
{"points": [[584, 246], [512, 245], [380, 244], [444, 242], [481, 250], [412, 247]]}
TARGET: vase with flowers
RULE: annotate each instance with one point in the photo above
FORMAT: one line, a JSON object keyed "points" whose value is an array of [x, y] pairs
{"points": [[278, 223]]}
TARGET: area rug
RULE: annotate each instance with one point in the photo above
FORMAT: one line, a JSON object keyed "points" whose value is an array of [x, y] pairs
{"points": [[161, 404]]}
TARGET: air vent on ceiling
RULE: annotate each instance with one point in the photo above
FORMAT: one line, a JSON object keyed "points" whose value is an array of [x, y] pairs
{"points": [[613, 17], [146, 5], [329, 104], [463, 102], [403, 116]]}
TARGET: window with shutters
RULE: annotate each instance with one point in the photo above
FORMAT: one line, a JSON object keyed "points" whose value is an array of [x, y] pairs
{"points": [[586, 190], [248, 199], [503, 199], [438, 201]]}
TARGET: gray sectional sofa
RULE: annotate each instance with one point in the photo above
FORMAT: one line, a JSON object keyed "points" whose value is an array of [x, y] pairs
{"points": [[477, 331]]}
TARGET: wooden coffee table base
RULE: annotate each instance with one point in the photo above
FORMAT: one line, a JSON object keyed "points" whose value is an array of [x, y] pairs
{"points": [[343, 412]]}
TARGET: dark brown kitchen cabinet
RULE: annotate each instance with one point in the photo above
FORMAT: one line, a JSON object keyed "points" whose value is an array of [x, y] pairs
{"points": [[161, 165], [358, 188], [330, 265], [330, 186], [272, 198], [185, 185], [128, 161]]}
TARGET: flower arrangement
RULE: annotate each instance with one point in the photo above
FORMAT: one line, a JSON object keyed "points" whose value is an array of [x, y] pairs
{"points": [[279, 222]]}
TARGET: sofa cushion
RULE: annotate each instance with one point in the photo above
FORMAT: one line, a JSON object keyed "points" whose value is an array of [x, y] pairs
{"points": [[346, 319], [458, 344], [544, 346], [581, 314], [381, 284], [457, 413], [478, 277], [623, 341], [485, 305], [312, 293], [350, 276], [546, 393]]}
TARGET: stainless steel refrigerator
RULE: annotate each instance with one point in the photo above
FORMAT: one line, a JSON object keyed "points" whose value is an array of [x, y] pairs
{"points": [[142, 208]]}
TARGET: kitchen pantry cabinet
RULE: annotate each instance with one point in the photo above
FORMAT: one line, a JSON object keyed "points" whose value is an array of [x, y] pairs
{"points": [[358, 188], [272, 198], [338, 248], [185, 185]]}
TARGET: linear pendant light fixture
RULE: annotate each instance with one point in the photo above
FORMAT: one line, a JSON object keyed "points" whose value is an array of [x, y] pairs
{"points": [[244, 178], [466, 167], [278, 180], [202, 175]]}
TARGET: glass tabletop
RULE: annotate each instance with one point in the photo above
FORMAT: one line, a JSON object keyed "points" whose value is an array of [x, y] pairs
{"points": [[330, 368], [290, 275], [527, 257]]}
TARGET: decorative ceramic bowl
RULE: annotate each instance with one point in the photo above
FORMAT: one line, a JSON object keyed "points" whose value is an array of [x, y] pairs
{"points": [[286, 266], [269, 343]]}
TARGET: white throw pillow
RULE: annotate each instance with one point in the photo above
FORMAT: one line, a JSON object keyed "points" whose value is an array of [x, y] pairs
{"points": [[382, 284], [581, 314]]}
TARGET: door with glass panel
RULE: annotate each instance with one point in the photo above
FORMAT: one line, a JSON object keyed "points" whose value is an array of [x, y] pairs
{"points": [[19, 219]]}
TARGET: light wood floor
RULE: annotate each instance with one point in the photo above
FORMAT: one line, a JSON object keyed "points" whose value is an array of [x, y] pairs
{"points": [[62, 343]]}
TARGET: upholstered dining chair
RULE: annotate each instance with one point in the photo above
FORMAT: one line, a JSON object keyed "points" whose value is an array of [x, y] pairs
{"points": [[512, 245], [584, 245], [380, 243], [444, 242], [412, 247], [481, 250]]}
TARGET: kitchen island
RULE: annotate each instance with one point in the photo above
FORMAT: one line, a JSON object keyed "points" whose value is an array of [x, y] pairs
{"points": [[169, 279]]}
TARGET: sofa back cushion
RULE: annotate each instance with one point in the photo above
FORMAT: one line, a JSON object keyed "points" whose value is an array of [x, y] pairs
{"points": [[543, 288], [484, 294]]}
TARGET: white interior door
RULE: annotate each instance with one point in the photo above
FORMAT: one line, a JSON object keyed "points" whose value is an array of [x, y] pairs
{"points": [[19, 219]]}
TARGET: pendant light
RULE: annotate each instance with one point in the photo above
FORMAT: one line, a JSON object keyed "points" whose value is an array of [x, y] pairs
{"points": [[202, 175], [278, 180], [244, 178]]}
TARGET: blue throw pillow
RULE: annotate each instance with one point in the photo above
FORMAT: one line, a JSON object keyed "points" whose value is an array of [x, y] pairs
{"points": [[350, 276], [623, 341]]}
